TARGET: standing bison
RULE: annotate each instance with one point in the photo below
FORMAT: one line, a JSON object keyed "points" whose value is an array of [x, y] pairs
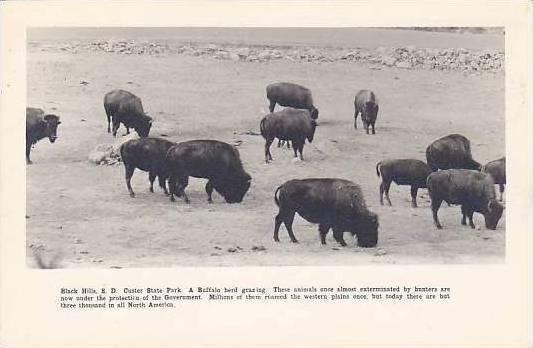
{"points": [[451, 152], [332, 203], [147, 154], [496, 169], [126, 108], [39, 126], [288, 124], [216, 161], [403, 172], [473, 190], [293, 95], [366, 103]]}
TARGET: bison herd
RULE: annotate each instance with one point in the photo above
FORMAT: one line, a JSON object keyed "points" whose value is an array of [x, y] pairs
{"points": [[450, 173]]}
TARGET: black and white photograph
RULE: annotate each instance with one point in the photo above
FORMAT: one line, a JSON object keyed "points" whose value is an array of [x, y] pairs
{"points": [[217, 146]]}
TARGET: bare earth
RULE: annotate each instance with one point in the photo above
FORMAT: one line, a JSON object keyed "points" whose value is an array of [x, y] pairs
{"points": [[83, 212]]}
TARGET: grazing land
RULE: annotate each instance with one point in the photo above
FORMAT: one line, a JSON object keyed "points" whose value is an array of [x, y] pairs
{"points": [[83, 212]]}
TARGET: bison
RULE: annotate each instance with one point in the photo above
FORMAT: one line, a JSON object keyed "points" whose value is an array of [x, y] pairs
{"points": [[147, 154], [451, 152], [473, 190], [366, 103], [288, 124], [496, 169], [332, 203], [126, 108], [293, 95], [403, 172], [39, 126], [216, 161]]}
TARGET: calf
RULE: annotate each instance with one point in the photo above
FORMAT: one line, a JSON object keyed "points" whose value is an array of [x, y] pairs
{"points": [[288, 124], [147, 154], [366, 103], [403, 172], [293, 95], [216, 161], [451, 152], [496, 169], [473, 190], [39, 126], [332, 203], [126, 108]]}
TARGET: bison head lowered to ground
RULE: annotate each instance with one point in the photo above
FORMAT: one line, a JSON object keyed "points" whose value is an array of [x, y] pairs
{"points": [[126, 108], [451, 152], [288, 124], [292, 95], [39, 126], [473, 190], [332, 203], [216, 161]]}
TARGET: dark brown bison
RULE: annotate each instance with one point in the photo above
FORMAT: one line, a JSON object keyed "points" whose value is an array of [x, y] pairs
{"points": [[126, 108], [451, 152], [293, 95], [288, 124], [216, 161], [39, 126], [473, 190], [147, 154], [332, 203], [403, 172], [496, 169], [366, 104]]}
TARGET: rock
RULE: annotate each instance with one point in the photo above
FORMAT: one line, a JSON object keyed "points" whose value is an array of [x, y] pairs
{"points": [[234, 57], [404, 65]]}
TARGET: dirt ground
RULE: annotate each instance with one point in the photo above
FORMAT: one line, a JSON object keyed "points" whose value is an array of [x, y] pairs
{"points": [[83, 212]]}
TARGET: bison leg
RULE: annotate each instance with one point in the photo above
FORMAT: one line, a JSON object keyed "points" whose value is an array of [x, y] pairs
{"points": [[116, 125], [162, 183], [108, 123], [172, 187], [272, 106], [463, 212], [502, 188], [277, 224], [209, 190], [300, 150], [414, 191], [338, 235], [182, 184], [287, 218], [268, 155], [151, 177], [295, 148], [129, 174], [323, 230], [127, 130], [355, 118], [386, 188], [470, 213], [365, 123], [373, 129], [435, 205], [28, 149], [280, 142]]}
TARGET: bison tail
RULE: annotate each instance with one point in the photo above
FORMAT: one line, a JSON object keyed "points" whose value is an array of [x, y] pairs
{"points": [[262, 127], [377, 169], [276, 199]]}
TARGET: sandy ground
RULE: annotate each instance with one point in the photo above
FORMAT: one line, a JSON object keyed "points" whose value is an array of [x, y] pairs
{"points": [[83, 212]]}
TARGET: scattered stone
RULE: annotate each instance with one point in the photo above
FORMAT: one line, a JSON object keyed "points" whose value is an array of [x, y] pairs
{"points": [[232, 250], [258, 248]]}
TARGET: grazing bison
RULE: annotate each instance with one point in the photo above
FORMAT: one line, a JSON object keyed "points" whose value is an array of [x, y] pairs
{"points": [[126, 108], [451, 152], [39, 126], [332, 203], [473, 190], [403, 172], [288, 124], [496, 169], [213, 160], [293, 95], [366, 103], [147, 154]]}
